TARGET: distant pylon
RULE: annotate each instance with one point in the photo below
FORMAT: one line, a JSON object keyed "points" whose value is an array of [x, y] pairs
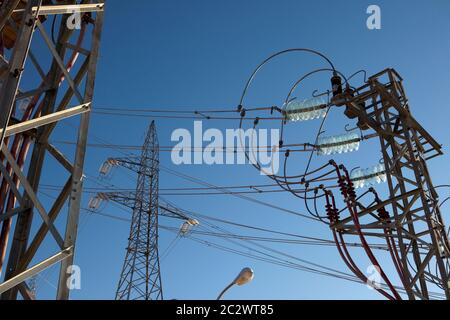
{"points": [[140, 278]]}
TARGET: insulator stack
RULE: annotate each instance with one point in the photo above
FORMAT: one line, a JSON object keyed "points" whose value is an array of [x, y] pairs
{"points": [[106, 167], [368, 177], [383, 214], [308, 109], [351, 190], [187, 226], [342, 186], [330, 207], [343, 143]]}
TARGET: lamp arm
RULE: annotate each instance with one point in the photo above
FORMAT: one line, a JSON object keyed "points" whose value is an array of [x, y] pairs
{"points": [[225, 290]]}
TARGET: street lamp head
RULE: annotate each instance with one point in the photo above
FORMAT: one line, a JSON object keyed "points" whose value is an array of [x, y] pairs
{"points": [[245, 276]]}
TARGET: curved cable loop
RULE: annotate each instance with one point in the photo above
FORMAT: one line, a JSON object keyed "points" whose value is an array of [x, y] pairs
{"points": [[262, 64], [242, 110]]}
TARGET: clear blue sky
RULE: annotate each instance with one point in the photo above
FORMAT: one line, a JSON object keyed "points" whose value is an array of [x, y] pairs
{"points": [[174, 54]]}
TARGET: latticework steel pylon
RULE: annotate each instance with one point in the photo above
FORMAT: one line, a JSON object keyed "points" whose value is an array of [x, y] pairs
{"points": [[141, 278], [42, 82], [417, 224]]}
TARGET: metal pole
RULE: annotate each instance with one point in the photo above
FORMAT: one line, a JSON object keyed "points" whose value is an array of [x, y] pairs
{"points": [[225, 290]]}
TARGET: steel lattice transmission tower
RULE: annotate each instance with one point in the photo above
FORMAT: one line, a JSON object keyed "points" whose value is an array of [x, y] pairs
{"points": [[41, 84], [141, 277], [416, 222], [407, 213]]}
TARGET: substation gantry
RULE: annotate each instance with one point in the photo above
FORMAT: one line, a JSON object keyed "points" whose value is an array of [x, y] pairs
{"points": [[64, 70], [415, 221], [409, 217]]}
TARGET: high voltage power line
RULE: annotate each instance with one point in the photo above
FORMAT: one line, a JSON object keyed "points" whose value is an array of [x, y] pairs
{"points": [[307, 147], [209, 185], [221, 190], [280, 262], [414, 139], [228, 236]]}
